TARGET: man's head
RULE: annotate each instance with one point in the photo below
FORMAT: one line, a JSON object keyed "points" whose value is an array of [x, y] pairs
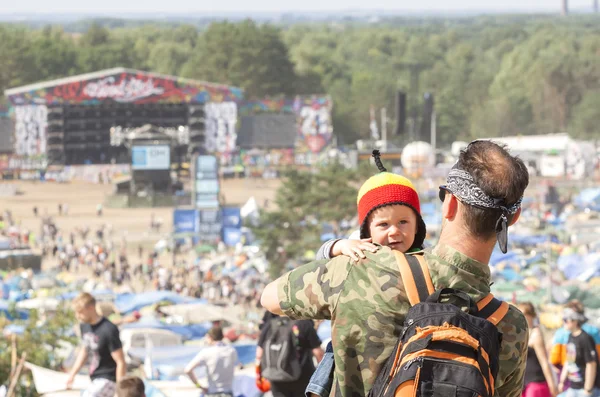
{"points": [[131, 386], [84, 306], [576, 306], [485, 189], [573, 320], [215, 334]]}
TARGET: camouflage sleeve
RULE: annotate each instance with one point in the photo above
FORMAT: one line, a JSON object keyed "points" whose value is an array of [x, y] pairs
{"points": [[513, 354], [312, 291]]}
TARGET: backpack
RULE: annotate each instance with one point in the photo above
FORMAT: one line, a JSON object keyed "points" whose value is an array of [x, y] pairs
{"points": [[280, 361], [442, 350]]}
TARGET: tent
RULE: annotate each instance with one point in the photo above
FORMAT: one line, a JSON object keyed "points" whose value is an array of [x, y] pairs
{"points": [[127, 303], [139, 337], [580, 267], [588, 198], [100, 294], [50, 304], [12, 314], [197, 313], [169, 362], [187, 332], [50, 383]]}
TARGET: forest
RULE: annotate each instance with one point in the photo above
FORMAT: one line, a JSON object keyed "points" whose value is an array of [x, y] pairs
{"points": [[489, 75]]}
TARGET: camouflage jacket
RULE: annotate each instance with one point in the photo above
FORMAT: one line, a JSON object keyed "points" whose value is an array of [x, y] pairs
{"points": [[367, 305]]}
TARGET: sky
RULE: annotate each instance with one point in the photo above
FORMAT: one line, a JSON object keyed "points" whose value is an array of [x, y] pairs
{"points": [[211, 6]]}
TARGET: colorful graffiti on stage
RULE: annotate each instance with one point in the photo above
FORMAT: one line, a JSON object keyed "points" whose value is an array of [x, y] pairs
{"points": [[128, 87], [313, 118], [31, 122], [220, 122]]}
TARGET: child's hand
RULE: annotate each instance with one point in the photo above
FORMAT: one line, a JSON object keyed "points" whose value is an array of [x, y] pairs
{"points": [[353, 248]]}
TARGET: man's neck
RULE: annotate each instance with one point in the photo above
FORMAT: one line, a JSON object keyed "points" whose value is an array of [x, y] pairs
{"points": [[577, 332], [96, 320], [479, 250]]}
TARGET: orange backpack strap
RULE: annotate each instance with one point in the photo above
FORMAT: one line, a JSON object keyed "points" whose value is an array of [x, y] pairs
{"points": [[492, 309], [415, 277]]}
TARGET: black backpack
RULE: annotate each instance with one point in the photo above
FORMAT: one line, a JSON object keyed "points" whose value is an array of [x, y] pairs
{"points": [[442, 351], [280, 360]]}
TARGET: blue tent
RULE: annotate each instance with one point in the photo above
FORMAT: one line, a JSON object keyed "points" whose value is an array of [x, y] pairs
{"points": [[531, 240], [96, 293], [498, 257], [588, 198], [574, 266], [127, 303], [178, 356], [6, 312], [187, 332]]}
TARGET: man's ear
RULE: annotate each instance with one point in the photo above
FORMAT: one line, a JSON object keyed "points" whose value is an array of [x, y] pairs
{"points": [[515, 217], [449, 207]]}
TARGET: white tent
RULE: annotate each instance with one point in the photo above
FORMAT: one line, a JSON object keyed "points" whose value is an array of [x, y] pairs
{"points": [[50, 304], [196, 313], [50, 383]]}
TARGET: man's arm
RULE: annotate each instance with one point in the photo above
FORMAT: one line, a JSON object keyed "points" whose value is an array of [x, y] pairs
{"points": [[189, 369], [318, 353], [116, 350], [591, 365], [81, 357], [563, 379], [119, 358], [590, 376], [513, 354], [308, 292], [269, 299]]}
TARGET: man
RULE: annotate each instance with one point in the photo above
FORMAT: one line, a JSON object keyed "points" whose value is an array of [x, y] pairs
{"points": [[219, 360], [131, 386], [308, 346], [581, 366], [102, 342], [558, 353], [367, 302]]}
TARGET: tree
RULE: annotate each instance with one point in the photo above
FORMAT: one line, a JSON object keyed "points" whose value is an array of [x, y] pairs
{"points": [[584, 124], [245, 55], [304, 202], [42, 341]]}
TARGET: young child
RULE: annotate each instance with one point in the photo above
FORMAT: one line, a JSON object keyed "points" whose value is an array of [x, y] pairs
{"points": [[389, 214]]}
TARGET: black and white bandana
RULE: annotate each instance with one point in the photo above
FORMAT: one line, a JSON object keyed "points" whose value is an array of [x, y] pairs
{"points": [[462, 185]]}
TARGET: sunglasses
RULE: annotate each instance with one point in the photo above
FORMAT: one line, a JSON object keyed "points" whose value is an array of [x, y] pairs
{"points": [[443, 191]]}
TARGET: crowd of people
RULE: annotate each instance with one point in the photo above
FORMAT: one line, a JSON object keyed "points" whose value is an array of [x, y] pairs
{"points": [[392, 329]]}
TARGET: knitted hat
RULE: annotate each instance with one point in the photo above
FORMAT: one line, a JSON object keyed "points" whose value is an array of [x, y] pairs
{"points": [[384, 189]]}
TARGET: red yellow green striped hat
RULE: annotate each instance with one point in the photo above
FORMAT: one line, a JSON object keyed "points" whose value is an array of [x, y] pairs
{"points": [[384, 189]]}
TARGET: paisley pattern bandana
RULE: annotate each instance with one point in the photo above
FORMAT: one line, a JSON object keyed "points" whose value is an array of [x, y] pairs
{"points": [[462, 185]]}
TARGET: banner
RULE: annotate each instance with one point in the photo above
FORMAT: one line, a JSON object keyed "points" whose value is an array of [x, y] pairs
{"points": [[151, 157], [185, 221], [232, 226], [231, 236], [232, 217], [206, 183], [210, 224]]}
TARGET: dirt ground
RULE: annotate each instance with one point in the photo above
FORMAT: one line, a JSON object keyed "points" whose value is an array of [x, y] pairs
{"points": [[131, 224]]}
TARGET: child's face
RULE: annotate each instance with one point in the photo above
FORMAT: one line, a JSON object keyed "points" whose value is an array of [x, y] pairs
{"points": [[394, 226]]}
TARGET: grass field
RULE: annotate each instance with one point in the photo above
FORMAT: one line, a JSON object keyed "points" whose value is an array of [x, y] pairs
{"points": [[131, 225]]}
